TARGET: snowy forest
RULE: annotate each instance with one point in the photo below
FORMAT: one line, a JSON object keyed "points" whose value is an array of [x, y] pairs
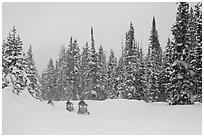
{"points": [[173, 75]]}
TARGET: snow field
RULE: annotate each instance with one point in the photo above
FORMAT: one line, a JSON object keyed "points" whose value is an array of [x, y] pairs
{"points": [[24, 115]]}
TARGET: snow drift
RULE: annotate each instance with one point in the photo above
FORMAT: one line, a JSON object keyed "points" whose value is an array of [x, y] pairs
{"points": [[24, 115]]}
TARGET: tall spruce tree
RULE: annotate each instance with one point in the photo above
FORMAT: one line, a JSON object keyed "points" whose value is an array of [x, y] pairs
{"points": [[155, 63], [32, 74], [111, 75], [120, 76], [102, 74], [130, 63], [43, 85], [180, 81], [50, 86], [76, 55], [167, 61], [140, 79], [56, 76], [5, 69], [197, 63], [85, 68], [147, 72], [69, 69], [73, 68], [14, 63], [61, 80], [93, 64]]}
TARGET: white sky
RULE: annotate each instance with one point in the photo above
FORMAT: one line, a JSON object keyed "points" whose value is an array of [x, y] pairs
{"points": [[46, 26]]}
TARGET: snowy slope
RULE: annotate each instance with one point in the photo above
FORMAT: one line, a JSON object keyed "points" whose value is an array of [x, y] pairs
{"points": [[25, 115]]}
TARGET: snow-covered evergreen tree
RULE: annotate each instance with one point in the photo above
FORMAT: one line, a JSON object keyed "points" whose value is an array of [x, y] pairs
{"points": [[61, 81], [111, 75], [13, 63], [76, 55], [32, 74], [120, 77], [93, 64], [155, 61], [147, 72], [167, 61], [181, 82], [5, 69], [141, 87], [85, 68], [197, 62], [56, 77], [50, 87], [131, 64], [102, 74], [43, 85], [73, 67]]}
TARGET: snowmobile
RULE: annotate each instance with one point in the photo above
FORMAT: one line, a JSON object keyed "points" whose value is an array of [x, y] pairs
{"points": [[82, 108], [50, 102], [69, 106]]}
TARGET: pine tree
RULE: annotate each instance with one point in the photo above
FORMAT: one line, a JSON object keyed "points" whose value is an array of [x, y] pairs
{"points": [[111, 75], [130, 63], [197, 63], [147, 72], [69, 69], [58, 87], [73, 68], [49, 82], [166, 73], [155, 63], [180, 81], [5, 69], [85, 68], [52, 93], [76, 55], [62, 83], [93, 64], [14, 63], [140, 79], [43, 85], [32, 74], [120, 76], [102, 74]]}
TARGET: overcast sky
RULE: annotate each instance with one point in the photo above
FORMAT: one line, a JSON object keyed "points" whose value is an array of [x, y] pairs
{"points": [[46, 26]]}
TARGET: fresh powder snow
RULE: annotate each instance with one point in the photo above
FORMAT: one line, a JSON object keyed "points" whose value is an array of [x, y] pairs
{"points": [[25, 115]]}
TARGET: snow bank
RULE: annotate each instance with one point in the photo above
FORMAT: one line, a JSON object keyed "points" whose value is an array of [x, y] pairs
{"points": [[24, 115]]}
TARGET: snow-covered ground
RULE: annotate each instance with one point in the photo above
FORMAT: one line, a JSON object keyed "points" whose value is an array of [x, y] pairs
{"points": [[24, 115]]}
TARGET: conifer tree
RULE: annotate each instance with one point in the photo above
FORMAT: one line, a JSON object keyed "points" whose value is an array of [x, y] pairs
{"points": [[76, 55], [93, 64], [197, 63], [181, 77], [130, 63], [85, 68], [140, 78], [14, 63], [111, 75], [43, 85], [32, 74], [155, 62], [51, 82], [73, 68], [147, 72], [58, 85], [167, 61], [62, 84], [69, 69], [102, 74], [5, 69], [120, 76]]}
